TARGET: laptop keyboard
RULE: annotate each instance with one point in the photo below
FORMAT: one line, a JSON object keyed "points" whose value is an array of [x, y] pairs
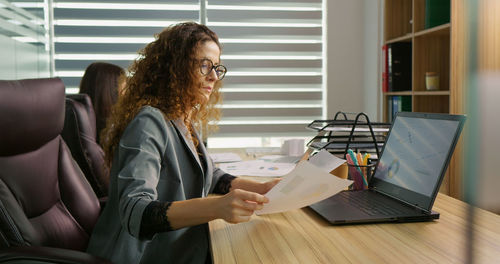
{"points": [[369, 203]]}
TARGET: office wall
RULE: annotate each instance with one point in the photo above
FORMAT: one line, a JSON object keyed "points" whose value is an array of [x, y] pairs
{"points": [[352, 56], [372, 50], [22, 40], [22, 60]]}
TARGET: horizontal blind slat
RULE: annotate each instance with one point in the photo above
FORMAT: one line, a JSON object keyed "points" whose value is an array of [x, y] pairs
{"points": [[273, 52]]}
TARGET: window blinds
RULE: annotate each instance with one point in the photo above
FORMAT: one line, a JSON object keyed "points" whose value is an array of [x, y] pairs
{"points": [[273, 50], [24, 41], [113, 31], [19, 24], [274, 54]]}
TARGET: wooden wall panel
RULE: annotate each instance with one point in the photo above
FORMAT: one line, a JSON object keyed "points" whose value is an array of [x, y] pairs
{"points": [[489, 35], [458, 80], [488, 58]]}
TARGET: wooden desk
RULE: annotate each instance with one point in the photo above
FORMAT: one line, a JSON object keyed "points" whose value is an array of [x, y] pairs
{"points": [[301, 236]]}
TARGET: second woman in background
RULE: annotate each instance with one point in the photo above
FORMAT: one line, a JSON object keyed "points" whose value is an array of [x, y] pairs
{"points": [[102, 82]]}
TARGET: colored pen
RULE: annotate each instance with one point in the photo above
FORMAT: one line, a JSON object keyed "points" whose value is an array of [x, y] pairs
{"points": [[349, 160], [360, 159], [355, 176], [365, 159], [353, 157]]}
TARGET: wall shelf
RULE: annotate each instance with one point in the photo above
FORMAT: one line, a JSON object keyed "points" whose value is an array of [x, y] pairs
{"points": [[430, 52], [406, 38], [406, 21], [438, 30]]}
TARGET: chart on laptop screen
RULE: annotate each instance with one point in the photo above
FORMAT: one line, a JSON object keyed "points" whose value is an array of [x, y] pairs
{"points": [[415, 153]]}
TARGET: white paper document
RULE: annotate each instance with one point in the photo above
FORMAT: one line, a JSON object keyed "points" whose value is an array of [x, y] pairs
{"points": [[281, 158], [225, 157], [257, 168], [305, 185]]}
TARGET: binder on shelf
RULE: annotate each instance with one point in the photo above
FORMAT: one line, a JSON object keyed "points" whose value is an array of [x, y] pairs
{"points": [[398, 104], [349, 131], [390, 102], [385, 70], [399, 66], [437, 12], [405, 103]]}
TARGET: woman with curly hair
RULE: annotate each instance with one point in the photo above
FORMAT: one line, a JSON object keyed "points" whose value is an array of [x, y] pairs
{"points": [[161, 174]]}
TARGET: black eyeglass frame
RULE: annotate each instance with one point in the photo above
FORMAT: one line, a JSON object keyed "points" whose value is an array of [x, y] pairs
{"points": [[217, 69]]}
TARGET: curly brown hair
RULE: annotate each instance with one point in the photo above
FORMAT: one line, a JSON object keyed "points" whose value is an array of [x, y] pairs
{"points": [[165, 77]]}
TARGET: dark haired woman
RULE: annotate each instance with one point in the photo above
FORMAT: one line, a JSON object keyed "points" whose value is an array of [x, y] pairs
{"points": [[102, 82], [161, 173]]}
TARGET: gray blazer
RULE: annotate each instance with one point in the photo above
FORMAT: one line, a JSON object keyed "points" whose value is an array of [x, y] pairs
{"points": [[154, 161]]}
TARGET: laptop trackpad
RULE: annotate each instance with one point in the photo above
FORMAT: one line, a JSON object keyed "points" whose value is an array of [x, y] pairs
{"points": [[333, 209]]}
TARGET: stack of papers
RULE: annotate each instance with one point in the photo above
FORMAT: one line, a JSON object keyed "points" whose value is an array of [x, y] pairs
{"points": [[259, 168], [281, 158], [225, 157]]}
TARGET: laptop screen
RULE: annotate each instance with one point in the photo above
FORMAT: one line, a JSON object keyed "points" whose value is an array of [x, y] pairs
{"points": [[416, 155]]}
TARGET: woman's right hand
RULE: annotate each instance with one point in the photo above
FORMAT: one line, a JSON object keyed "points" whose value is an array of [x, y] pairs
{"points": [[238, 205]]}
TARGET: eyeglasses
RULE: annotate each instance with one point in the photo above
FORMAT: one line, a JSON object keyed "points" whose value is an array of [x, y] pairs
{"points": [[206, 67]]}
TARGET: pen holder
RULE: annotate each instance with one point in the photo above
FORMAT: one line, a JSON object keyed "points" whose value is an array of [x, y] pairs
{"points": [[360, 175]]}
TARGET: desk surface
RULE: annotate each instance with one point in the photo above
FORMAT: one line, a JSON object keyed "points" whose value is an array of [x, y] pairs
{"points": [[302, 236]]}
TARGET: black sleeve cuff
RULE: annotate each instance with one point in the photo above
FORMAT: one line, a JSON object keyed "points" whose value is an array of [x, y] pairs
{"points": [[154, 219], [224, 184]]}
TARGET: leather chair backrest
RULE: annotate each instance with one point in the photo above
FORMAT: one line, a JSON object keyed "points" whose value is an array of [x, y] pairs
{"points": [[79, 133], [44, 198]]}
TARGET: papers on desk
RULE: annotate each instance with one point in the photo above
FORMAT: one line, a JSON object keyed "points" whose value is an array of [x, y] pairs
{"points": [[305, 185], [281, 158], [225, 157], [257, 168]]}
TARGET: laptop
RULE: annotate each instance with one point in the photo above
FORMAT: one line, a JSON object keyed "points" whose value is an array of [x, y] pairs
{"points": [[407, 177]]}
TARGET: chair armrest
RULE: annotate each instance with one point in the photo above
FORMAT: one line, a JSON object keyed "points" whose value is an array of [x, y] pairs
{"points": [[48, 255]]}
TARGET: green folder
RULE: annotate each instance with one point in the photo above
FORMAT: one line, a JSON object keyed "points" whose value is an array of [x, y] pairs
{"points": [[437, 12], [406, 103]]}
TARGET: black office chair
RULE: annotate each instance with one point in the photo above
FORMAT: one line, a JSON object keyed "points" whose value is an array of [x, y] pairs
{"points": [[79, 133], [47, 207]]}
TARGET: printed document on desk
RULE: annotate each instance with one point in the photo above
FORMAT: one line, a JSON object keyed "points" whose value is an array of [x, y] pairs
{"points": [[225, 157], [305, 185], [259, 168]]}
